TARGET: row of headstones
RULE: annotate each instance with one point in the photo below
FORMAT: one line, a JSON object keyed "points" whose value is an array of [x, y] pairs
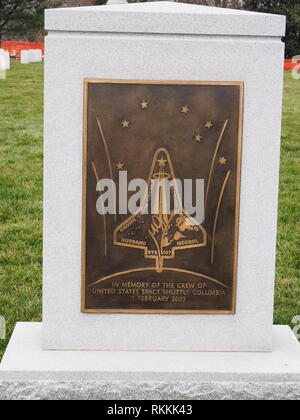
{"points": [[27, 56], [31, 56], [4, 60]]}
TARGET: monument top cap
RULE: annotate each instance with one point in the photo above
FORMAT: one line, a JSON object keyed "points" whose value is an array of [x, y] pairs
{"points": [[165, 18]]}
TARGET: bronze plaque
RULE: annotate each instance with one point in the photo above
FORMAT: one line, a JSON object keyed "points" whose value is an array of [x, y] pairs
{"points": [[161, 261]]}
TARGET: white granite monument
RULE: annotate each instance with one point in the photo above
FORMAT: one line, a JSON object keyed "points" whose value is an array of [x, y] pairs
{"points": [[236, 355]]}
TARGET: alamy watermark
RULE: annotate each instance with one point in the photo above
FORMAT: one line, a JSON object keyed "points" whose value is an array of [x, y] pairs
{"points": [[2, 328], [160, 195]]}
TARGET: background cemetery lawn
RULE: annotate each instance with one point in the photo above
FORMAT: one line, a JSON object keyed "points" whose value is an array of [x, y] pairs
{"points": [[21, 165]]}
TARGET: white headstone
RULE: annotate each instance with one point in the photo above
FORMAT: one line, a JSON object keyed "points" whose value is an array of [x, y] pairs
{"points": [[35, 55], [25, 57], [2, 62], [112, 2], [7, 60], [31, 55]]}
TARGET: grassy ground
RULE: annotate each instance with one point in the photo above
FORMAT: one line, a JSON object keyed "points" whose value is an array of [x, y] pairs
{"points": [[21, 143], [287, 298]]}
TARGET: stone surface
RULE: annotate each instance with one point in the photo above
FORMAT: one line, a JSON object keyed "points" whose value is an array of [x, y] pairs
{"points": [[257, 61], [35, 56], [165, 18], [25, 58], [4, 60], [28, 372], [79, 390], [25, 360], [7, 60]]}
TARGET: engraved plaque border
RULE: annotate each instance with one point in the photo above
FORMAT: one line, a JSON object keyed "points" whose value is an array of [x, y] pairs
{"points": [[237, 206]]}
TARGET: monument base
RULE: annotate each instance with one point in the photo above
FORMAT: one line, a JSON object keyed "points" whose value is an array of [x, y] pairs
{"points": [[28, 372]]}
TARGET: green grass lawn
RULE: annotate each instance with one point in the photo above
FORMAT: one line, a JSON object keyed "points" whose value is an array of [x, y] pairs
{"points": [[21, 157], [287, 297]]}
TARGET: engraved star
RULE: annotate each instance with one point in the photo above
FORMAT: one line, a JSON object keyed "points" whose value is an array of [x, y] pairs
{"points": [[185, 109], [162, 162], [144, 104], [198, 138], [208, 124], [222, 161], [125, 124], [120, 166]]}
